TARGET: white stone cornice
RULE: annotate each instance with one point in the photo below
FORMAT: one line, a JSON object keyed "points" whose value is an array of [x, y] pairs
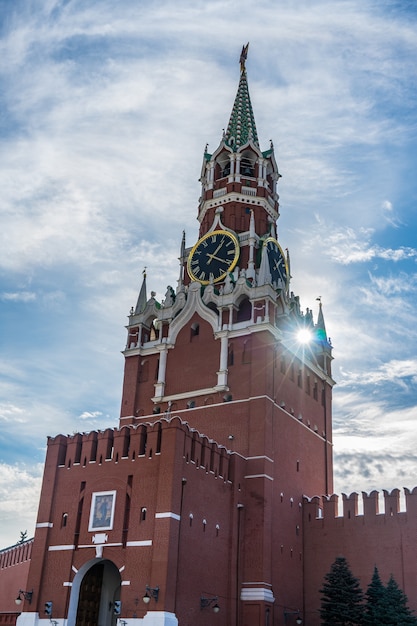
{"points": [[250, 594], [151, 347], [185, 395], [246, 328]]}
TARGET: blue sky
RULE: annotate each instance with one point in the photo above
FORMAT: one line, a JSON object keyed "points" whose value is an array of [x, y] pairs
{"points": [[105, 109]]}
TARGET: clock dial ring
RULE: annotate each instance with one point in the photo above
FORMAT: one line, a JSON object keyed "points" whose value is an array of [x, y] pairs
{"points": [[277, 262], [213, 257]]}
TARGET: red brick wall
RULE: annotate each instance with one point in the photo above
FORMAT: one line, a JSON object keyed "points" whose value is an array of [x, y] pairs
{"points": [[386, 539], [14, 568]]}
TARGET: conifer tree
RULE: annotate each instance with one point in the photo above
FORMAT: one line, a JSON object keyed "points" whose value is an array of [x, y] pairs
{"points": [[375, 610], [23, 536], [342, 597], [396, 603]]}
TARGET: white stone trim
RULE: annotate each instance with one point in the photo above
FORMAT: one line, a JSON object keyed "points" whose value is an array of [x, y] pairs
{"points": [[259, 476], [159, 618], [194, 304], [102, 545], [186, 395], [261, 594], [167, 514], [138, 544], [67, 547], [44, 525]]}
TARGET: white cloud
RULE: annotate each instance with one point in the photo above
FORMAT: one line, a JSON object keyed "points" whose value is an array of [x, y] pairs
{"points": [[348, 245], [20, 296], [392, 371], [19, 498], [90, 415], [11, 413]]}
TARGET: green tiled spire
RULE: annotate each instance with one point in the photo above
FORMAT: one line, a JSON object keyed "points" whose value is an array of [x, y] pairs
{"points": [[241, 127], [320, 326]]}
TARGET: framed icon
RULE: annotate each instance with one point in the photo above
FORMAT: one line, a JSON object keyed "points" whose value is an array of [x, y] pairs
{"points": [[102, 510]]}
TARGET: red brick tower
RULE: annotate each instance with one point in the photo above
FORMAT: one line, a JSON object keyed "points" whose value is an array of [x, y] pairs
{"points": [[225, 423], [222, 353]]}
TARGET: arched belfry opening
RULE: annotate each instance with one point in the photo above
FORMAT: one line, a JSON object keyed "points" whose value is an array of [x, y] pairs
{"points": [[248, 163], [95, 588]]}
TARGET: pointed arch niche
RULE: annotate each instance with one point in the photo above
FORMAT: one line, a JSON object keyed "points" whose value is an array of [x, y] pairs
{"points": [[194, 345]]}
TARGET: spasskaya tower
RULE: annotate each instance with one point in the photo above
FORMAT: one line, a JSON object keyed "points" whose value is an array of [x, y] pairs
{"points": [[221, 353], [194, 503]]}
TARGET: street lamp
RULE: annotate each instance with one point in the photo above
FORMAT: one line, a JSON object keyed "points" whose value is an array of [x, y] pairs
{"points": [[206, 602], [298, 619], [27, 595]]}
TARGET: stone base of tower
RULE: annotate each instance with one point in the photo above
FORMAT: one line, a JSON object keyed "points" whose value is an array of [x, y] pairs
{"points": [[152, 618]]}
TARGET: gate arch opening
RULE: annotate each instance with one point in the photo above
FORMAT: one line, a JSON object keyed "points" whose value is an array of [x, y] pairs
{"points": [[95, 588]]}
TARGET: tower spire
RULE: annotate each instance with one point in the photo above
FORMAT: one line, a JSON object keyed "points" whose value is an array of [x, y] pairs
{"points": [[142, 299], [241, 127]]}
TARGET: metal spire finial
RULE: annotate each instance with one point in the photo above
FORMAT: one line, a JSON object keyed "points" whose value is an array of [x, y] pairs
{"points": [[243, 57]]}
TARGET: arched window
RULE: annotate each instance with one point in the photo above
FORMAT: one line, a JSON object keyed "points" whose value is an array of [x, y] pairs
{"points": [[195, 331], [223, 168], [126, 443], [192, 454], [226, 169], [245, 311], [159, 440], [203, 455], [143, 438], [246, 354], [247, 164], [153, 332], [230, 355], [144, 371]]}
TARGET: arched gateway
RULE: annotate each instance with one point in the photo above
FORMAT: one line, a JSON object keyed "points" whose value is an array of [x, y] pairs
{"points": [[95, 588]]}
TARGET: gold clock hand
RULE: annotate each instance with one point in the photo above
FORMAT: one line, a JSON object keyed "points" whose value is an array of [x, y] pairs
{"points": [[218, 247], [213, 256]]}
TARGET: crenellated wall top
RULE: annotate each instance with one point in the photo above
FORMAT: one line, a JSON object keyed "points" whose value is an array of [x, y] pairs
{"points": [[385, 503], [130, 441]]}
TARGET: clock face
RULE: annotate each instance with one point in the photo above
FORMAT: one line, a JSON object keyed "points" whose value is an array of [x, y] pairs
{"points": [[213, 256], [277, 262]]}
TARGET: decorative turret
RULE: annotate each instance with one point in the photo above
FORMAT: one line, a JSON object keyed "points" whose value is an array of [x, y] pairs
{"points": [[142, 298], [322, 342], [320, 327]]}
